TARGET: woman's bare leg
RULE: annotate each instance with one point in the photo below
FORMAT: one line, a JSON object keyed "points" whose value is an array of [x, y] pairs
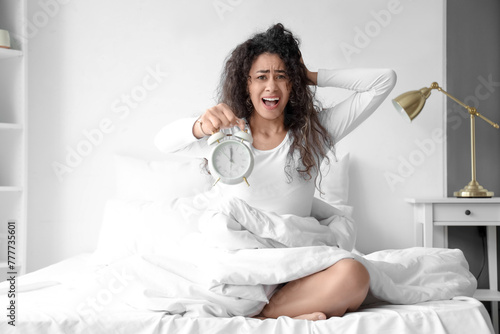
{"points": [[332, 292]]}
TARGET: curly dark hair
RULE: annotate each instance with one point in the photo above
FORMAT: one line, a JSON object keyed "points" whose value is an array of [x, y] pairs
{"points": [[310, 138]]}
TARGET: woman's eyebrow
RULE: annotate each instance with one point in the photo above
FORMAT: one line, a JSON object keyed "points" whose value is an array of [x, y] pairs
{"points": [[268, 71]]}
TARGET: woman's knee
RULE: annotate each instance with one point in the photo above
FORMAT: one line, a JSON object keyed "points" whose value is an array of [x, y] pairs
{"points": [[353, 276], [351, 269], [353, 280]]}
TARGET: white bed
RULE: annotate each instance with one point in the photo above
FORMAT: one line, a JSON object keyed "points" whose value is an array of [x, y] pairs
{"points": [[54, 309], [91, 293]]}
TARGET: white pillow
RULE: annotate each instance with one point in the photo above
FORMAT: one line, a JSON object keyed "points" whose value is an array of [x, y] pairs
{"points": [[140, 219], [335, 183], [179, 176], [175, 176], [139, 227], [117, 236]]}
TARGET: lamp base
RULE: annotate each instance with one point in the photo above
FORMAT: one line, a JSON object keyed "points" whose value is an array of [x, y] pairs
{"points": [[473, 189]]}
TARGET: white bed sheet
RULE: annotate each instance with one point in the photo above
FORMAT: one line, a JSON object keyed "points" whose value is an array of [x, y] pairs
{"points": [[66, 305]]}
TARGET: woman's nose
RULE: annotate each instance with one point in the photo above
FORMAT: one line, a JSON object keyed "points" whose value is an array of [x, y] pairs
{"points": [[271, 85]]}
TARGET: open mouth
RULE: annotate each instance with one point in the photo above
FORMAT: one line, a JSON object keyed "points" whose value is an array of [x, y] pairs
{"points": [[271, 102]]}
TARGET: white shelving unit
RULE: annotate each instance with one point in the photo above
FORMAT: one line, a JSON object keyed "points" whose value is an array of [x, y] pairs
{"points": [[13, 132]]}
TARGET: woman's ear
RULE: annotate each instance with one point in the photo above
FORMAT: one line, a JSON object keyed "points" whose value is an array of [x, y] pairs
{"points": [[248, 103]]}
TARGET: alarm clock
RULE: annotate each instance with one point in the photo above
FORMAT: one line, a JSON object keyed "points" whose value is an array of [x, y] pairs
{"points": [[231, 160]]}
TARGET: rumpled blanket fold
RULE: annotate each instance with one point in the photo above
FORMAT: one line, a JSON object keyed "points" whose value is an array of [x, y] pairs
{"points": [[234, 256]]}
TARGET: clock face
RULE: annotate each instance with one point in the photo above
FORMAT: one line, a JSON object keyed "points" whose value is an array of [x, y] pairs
{"points": [[231, 161]]}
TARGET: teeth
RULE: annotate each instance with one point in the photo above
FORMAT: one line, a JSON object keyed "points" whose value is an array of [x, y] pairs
{"points": [[271, 98]]}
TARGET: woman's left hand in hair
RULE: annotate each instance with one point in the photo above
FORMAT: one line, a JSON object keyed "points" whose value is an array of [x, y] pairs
{"points": [[311, 76]]}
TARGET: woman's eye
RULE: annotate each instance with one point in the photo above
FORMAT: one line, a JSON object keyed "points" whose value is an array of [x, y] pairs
{"points": [[261, 77]]}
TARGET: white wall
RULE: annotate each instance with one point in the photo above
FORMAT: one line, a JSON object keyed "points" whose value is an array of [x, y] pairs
{"points": [[91, 65]]}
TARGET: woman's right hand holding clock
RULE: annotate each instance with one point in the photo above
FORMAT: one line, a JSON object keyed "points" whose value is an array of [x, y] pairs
{"points": [[215, 118]]}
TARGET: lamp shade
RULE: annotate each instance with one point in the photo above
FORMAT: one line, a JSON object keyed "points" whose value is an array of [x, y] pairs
{"points": [[410, 104]]}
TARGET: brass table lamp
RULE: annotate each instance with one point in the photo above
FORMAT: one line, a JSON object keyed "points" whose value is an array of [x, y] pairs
{"points": [[411, 103]]}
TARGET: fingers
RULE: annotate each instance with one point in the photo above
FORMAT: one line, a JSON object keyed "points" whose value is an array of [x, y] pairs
{"points": [[311, 76], [241, 124], [220, 117]]}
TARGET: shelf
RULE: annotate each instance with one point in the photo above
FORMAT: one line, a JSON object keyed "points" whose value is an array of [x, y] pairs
{"points": [[487, 295], [4, 269], [9, 53], [4, 265], [10, 189], [458, 223], [10, 126], [452, 200]]}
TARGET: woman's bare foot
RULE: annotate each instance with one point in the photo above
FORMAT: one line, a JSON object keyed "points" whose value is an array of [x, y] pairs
{"points": [[312, 316], [260, 317]]}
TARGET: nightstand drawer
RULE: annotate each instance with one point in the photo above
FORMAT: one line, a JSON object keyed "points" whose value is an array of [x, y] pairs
{"points": [[466, 212]]}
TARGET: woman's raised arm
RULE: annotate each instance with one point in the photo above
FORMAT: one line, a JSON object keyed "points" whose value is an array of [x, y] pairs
{"points": [[370, 86]]}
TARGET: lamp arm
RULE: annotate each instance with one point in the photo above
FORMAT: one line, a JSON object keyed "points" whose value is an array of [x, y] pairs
{"points": [[495, 125], [452, 97], [473, 111]]}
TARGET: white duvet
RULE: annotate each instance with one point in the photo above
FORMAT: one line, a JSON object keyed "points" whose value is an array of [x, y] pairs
{"points": [[226, 261]]}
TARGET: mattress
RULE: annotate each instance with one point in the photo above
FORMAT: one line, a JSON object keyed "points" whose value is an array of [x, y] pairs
{"points": [[62, 298]]}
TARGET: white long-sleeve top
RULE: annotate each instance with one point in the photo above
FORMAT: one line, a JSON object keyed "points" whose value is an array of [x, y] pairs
{"points": [[270, 188]]}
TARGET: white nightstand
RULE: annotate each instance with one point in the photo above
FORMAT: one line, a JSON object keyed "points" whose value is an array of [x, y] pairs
{"points": [[434, 215]]}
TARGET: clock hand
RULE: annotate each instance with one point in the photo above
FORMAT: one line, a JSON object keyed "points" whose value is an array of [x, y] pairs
{"points": [[221, 151], [231, 154]]}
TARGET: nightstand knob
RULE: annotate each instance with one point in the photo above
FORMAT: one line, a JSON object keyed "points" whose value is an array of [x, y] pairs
{"points": [[467, 212]]}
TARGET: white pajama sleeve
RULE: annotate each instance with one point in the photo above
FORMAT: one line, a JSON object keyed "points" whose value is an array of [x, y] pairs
{"points": [[370, 86], [177, 137]]}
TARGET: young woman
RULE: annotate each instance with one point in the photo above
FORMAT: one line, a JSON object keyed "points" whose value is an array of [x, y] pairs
{"points": [[265, 87]]}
